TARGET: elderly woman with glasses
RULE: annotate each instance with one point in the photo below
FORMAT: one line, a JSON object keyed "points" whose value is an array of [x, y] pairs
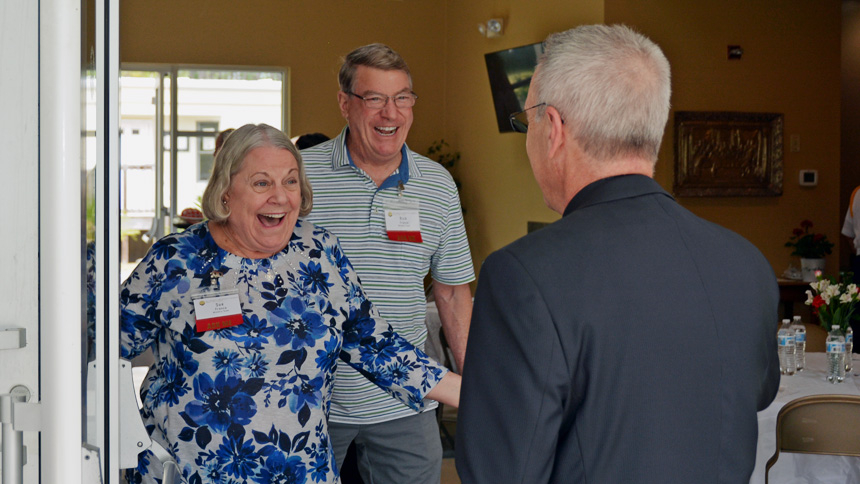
{"points": [[248, 314]]}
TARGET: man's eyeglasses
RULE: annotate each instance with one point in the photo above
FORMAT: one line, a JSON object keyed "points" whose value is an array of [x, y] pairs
{"points": [[378, 101], [520, 120]]}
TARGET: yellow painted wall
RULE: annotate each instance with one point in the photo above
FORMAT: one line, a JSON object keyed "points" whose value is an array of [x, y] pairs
{"points": [[791, 65], [498, 189], [850, 174], [308, 36]]}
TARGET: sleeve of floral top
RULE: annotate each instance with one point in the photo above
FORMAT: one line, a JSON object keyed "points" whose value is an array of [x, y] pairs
{"points": [[372, 347], [145, 298]]}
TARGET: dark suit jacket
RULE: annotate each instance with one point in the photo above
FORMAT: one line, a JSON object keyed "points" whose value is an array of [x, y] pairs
{"points": [[629, 342]]}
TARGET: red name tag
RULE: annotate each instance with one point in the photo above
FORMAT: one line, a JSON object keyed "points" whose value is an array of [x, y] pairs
{"points": [[401, 236], [218, 323], [217, 311], [403, 224]]}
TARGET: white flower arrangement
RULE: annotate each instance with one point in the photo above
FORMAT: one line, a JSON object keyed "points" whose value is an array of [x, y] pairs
{"points": [[833, 302]]}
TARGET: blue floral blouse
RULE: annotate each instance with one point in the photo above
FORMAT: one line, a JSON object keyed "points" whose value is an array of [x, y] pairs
{"points": [[249, 403]]}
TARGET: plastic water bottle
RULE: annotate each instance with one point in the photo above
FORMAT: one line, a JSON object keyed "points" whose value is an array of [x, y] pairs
{"points": [[787, 347], [849, 348], [800, 342], [835, 355]]}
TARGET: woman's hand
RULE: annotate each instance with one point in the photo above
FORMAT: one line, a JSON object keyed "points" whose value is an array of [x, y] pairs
{"points": [[447, 391]]}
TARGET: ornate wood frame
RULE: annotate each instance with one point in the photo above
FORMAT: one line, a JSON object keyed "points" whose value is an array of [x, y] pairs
{"points": [[728, 154]]}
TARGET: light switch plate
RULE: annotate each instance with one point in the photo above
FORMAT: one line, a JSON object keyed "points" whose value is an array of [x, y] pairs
{"points": [[808, 178]]}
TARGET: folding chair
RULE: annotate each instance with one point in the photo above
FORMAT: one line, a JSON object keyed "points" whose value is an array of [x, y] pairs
{"points": [[818, 424]]}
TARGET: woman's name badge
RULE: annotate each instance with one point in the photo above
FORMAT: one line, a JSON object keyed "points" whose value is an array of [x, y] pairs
{"points": [[403, 224], [217, 310]]}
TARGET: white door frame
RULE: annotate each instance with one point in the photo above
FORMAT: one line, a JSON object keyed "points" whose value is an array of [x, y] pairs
{"points": [[41, 248], [19, 245], [60, 247], [107, 235]]}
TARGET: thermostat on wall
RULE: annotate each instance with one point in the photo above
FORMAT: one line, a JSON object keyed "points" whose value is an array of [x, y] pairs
{"points": [[808, 178]]}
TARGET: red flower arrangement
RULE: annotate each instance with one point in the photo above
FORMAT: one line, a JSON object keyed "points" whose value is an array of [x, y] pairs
{"points": [[809, 245]]}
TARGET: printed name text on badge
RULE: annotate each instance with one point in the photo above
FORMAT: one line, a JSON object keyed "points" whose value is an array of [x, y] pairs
{"points": [[217, 311]]}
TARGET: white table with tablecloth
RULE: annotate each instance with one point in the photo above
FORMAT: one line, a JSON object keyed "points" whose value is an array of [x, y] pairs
{"points": [[803, 468]]}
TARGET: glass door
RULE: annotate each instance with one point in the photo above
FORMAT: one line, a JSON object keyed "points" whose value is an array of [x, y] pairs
{"points": [[201, 103]]}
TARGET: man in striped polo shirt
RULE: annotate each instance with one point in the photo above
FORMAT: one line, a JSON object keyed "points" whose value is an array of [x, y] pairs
{"points": [[398, 216]]}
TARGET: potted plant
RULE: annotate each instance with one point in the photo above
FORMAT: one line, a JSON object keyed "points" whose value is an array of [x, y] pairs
{"points": [[811, 248], [440, 151]]}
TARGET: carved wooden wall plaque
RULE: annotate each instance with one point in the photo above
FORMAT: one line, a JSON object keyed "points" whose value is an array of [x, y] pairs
{"points": [[728, 154]]}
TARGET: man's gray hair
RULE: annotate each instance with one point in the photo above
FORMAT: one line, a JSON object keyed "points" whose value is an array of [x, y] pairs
{"points": [[611, 85], [377, 56], [230, 159]]}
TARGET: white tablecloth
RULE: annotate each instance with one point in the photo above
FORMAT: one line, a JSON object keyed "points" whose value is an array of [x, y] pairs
{"points": [[803, 468]]}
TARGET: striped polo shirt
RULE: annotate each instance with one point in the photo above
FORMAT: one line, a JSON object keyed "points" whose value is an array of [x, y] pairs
{"points": [[348, 203]]}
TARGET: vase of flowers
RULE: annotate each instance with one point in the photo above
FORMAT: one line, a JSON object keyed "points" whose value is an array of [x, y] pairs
{"points": [[808, 268], [811, 247], [832, 302]]}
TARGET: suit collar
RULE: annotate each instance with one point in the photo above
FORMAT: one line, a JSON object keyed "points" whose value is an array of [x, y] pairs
{"points": [[614, 188]]}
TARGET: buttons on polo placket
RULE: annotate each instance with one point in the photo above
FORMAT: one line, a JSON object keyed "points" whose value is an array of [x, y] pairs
{"points": [[376, 220]]}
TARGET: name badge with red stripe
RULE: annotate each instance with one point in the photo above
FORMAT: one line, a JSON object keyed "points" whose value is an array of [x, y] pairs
{"points": [[217, 310], [403, 224]]}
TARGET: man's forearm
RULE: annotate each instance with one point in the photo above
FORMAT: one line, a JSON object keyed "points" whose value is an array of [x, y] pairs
{"points": [[455, 313]]}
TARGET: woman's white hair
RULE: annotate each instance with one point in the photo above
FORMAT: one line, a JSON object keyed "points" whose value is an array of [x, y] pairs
{"points": [[611, 85], [229, 161]]}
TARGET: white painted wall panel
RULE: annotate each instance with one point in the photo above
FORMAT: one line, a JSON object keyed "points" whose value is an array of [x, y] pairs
{"points": [[19, 199]]}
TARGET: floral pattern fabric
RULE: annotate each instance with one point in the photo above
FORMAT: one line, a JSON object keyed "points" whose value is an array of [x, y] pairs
{"points": [[249, 403]]}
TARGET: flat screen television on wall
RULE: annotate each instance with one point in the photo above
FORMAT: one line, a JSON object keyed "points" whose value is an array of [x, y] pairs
{"points": [[510, 72]]}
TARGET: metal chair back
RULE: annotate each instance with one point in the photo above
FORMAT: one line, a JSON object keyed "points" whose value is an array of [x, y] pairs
{"points": [[818, 424]]}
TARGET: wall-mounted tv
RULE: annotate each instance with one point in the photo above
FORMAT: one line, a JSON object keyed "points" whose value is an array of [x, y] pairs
{"points": [[510, 72]]}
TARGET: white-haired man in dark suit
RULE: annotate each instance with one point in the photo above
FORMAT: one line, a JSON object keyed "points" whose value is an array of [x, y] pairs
{"points": [[630, 341]]}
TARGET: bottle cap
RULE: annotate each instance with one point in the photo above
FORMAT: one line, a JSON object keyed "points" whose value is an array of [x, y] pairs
{"points": [[785, 321], [835, 326]]}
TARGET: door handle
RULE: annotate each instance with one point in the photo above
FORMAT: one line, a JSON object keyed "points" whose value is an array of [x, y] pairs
{"points": [[12, 338], [13, 441], [135, 437], [16, 417]]}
